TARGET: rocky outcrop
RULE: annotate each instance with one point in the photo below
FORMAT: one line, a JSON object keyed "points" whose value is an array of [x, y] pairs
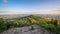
{"points": [[27, 30]]}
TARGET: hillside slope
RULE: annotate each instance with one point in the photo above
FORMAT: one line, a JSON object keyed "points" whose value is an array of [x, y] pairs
{"points": [[27, 30]]}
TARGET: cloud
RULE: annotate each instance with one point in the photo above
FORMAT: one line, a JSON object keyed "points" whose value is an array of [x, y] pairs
{"points": [[10, 11], [47, 12], [56, 7], [3, 11], [5, 1]]}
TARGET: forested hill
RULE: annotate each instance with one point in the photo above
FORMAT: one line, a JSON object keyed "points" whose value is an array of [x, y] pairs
{"points": [[50, 24]]}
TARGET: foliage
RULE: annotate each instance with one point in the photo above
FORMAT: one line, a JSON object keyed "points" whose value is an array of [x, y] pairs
{"points": [[2, 25], [51, 24]]}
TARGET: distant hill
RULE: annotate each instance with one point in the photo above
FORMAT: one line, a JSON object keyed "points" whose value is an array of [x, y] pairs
{"points": [[57, 16]]}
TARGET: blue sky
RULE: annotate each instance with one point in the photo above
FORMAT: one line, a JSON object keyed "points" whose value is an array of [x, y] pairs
{"points": [[24, 6]]}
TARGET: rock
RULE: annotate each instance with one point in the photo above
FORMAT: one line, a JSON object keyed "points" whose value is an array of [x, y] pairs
{"points": [[26, 30]]}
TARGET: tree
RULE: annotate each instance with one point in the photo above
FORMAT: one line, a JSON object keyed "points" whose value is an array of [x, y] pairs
{"points": [[54, 21], [2, 25]]}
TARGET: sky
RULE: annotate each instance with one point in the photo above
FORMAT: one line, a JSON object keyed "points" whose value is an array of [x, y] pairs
{"points": [[29, 6]]}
